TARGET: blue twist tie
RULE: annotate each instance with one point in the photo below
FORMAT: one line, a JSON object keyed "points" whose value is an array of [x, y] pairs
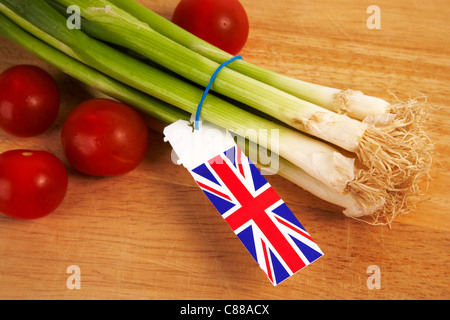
{"points": [[213, 77]]}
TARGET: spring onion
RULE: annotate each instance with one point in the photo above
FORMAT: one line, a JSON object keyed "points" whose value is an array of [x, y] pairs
{"points": [[380, 142], [162, 111], [379, 185]]}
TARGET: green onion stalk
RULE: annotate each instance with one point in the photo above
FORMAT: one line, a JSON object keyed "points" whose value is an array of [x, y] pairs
{"points": [[159, 93], [352, 103]]}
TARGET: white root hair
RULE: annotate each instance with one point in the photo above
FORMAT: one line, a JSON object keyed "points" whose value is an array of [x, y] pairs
{"points": [[395, 158]]}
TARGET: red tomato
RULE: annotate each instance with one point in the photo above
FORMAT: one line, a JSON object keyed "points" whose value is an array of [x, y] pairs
{"points": [[222, 23], [102, 137], [32, 183], [29, 101]]}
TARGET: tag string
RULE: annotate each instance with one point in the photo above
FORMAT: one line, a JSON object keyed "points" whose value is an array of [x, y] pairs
{"points": [[211, 81]]}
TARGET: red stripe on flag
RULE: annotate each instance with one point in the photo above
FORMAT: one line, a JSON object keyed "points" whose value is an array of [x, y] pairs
{"points": [[203, 186], [231, 180], [266, 259], [239, 161], [296, 229]]}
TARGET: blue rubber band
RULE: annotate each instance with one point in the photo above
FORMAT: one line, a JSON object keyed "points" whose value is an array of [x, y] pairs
{"points": [[213, 77]]}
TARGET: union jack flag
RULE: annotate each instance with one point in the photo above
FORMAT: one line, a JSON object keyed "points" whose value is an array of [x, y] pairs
{"points": [[258, 216]]}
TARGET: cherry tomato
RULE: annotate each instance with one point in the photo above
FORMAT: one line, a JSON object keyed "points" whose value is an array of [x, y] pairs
{"points": [[222, 23], [29, 101], [32, 183], [103, 137]]}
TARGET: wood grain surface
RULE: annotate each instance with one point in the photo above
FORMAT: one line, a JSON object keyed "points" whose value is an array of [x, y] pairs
{"points": [[152, 234]]}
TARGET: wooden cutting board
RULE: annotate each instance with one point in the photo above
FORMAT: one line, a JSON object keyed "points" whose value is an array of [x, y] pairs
{"points": [[152, 234]]}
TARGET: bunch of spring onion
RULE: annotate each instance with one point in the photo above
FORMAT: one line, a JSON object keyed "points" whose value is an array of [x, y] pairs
{"points": [[356, 151]]}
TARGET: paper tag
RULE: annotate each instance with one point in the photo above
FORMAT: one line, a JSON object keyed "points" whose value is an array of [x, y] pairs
{"points": [[244, 198]]}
